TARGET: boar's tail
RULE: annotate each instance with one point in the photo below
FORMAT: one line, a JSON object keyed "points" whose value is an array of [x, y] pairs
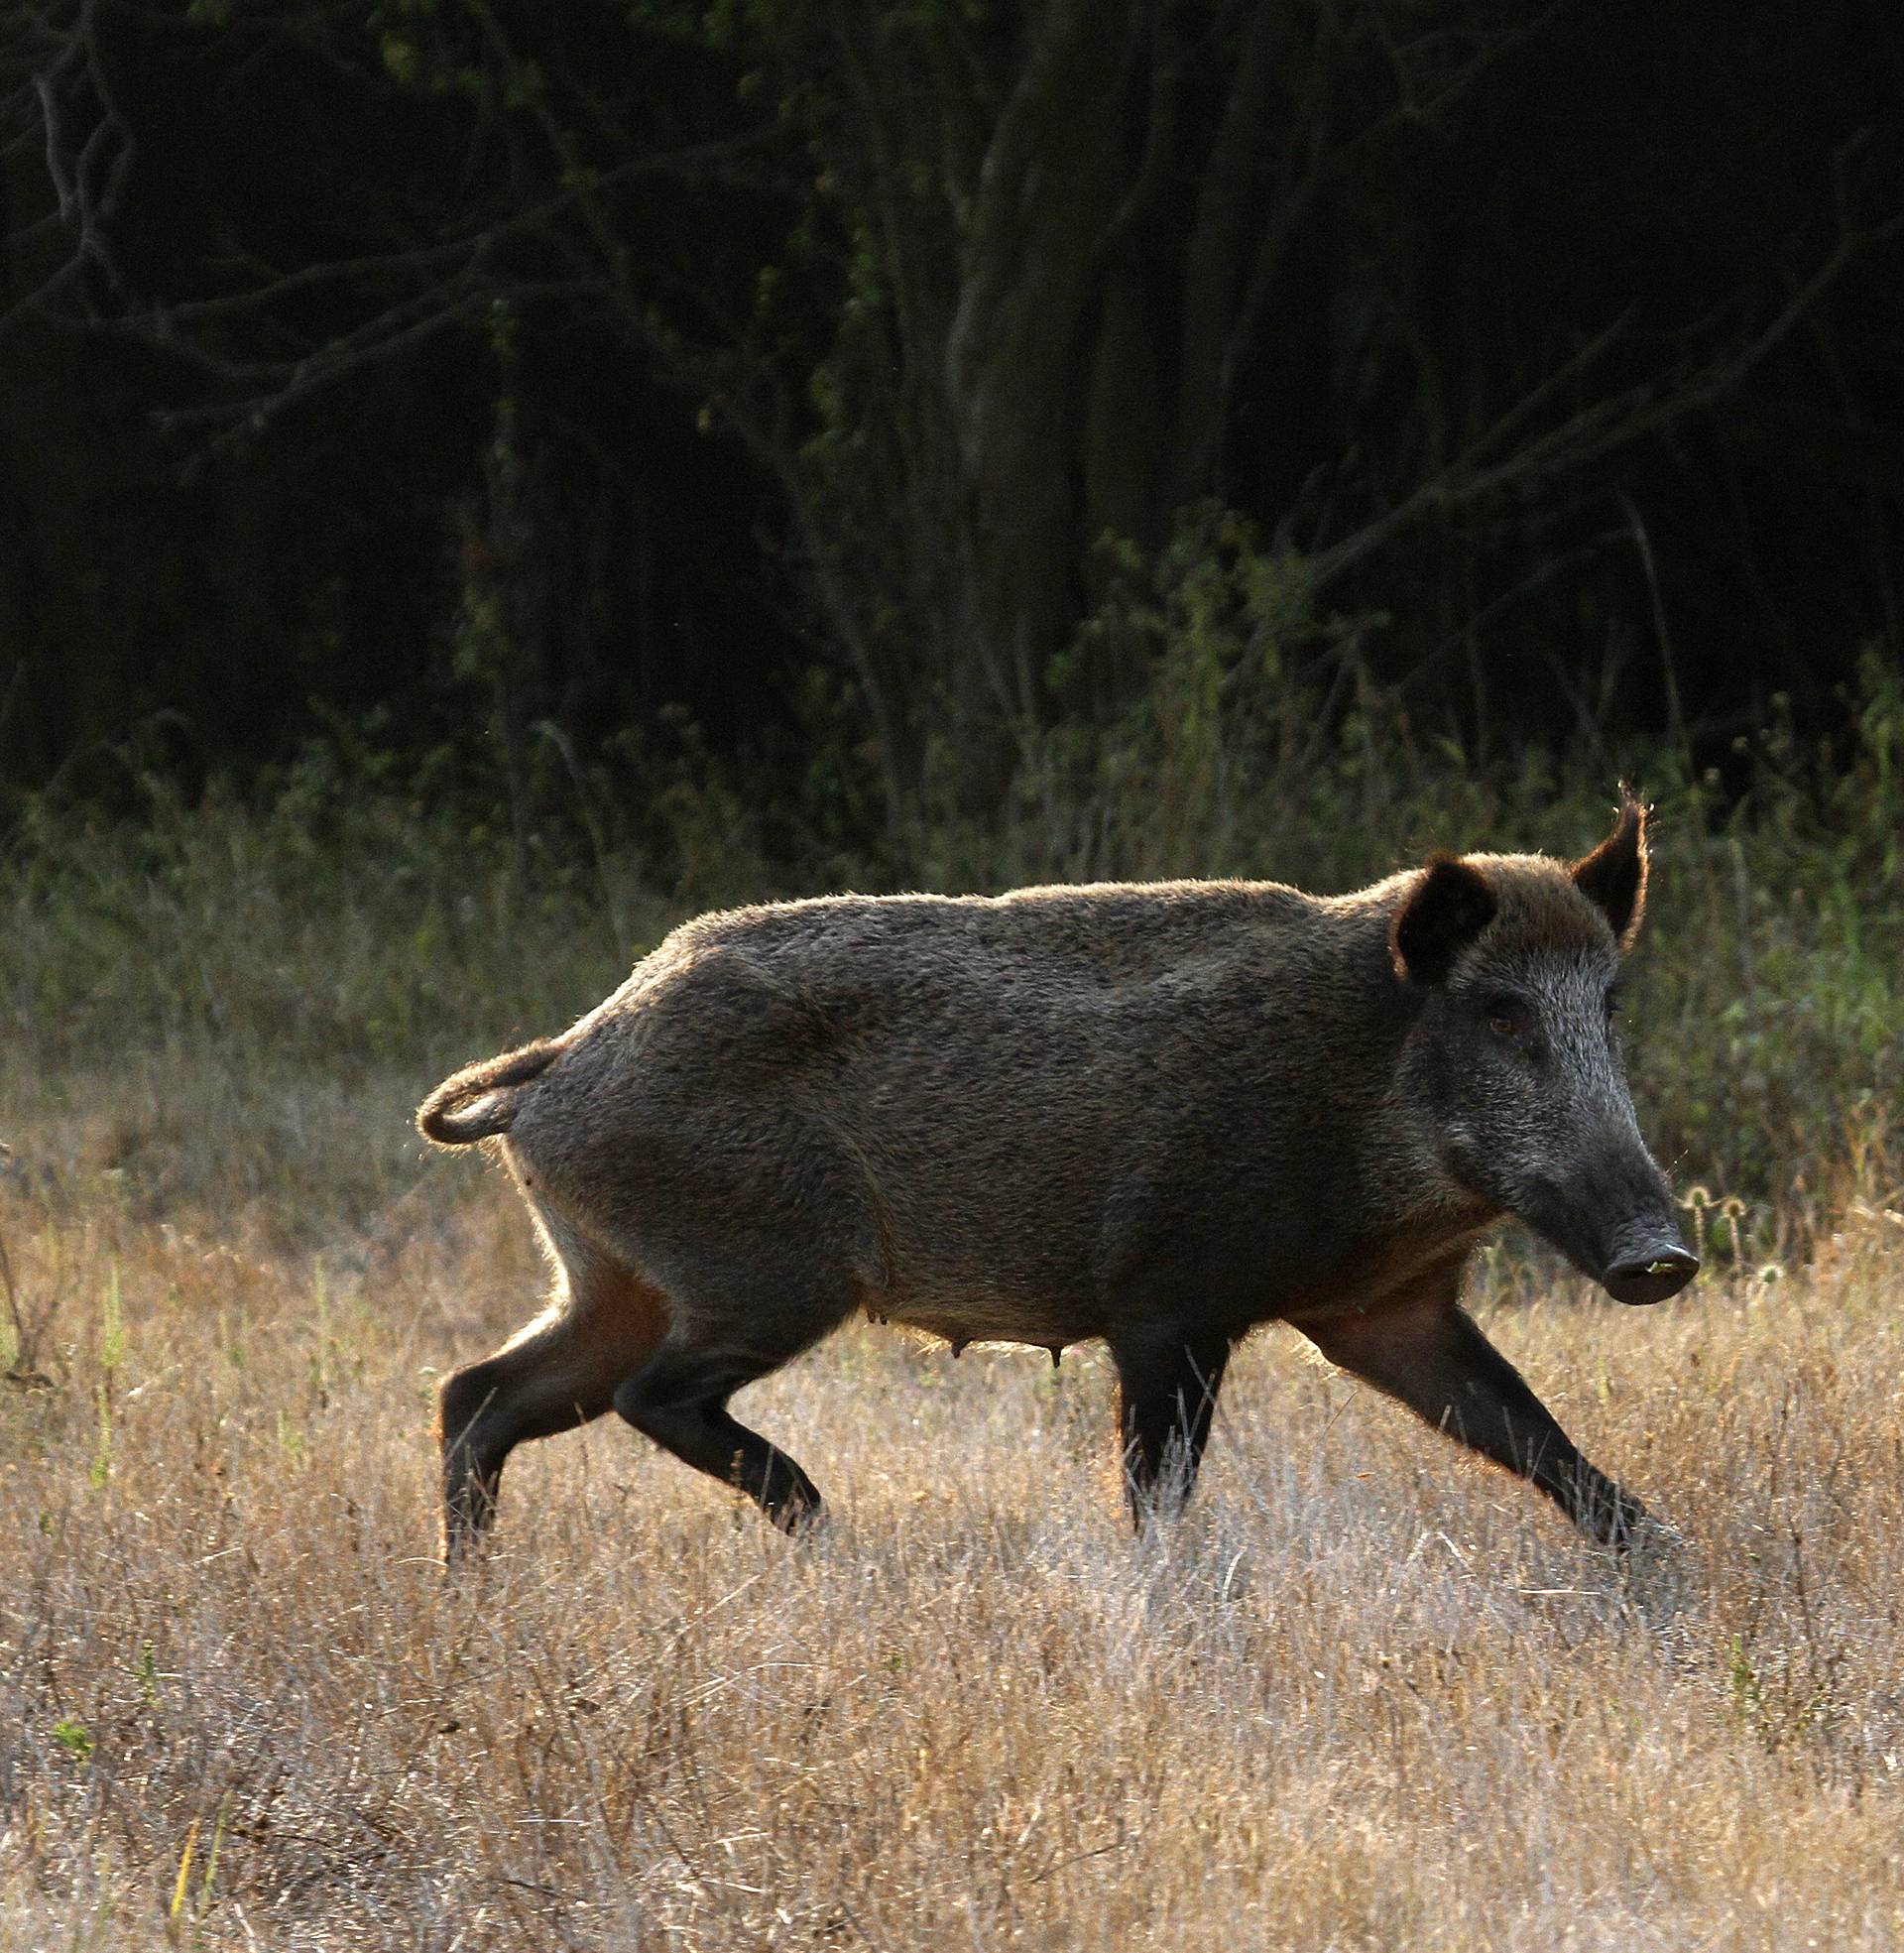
{"points": [[479, 1101]]}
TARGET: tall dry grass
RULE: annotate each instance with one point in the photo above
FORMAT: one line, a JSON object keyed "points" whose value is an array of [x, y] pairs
{"points": [[1365, 1695]]}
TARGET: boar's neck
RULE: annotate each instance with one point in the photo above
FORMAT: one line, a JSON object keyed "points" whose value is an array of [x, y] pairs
{"points": [[1403, 1213]]}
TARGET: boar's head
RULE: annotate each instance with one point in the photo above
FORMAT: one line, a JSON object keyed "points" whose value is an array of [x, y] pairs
{"points": [[1512, 1068]]}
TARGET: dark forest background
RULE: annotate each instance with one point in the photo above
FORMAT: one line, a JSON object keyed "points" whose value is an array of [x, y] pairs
{"points": [[881, 401]]}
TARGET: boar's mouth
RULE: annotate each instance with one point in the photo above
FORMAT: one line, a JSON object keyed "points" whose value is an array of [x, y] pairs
{"points": [[1650, 1276]]}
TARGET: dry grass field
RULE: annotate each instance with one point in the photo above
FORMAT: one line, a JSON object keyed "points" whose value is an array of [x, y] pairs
{"points": [[1367, 1695]]}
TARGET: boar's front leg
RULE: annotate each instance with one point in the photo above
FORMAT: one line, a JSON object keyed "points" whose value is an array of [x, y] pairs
{"points": [[1429, 1353], [1167, 1383]]}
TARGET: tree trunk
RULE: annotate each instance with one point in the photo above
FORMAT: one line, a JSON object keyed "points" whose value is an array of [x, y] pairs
{"points": [[1019, 346]]}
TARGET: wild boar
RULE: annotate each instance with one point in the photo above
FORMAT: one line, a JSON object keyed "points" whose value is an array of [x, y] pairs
{"points": [[1157, 1114]]}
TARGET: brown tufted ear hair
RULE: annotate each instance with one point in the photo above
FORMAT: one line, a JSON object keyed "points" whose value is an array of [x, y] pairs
{"points": [[1444, 913], [1613, 876]]}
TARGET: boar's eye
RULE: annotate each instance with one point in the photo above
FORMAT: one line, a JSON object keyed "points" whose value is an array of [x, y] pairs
{"points": [[1616, 997], [1506, 1017]]}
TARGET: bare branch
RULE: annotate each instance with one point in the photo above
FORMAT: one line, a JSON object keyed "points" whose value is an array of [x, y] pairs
{"points": [[1601, 429]]}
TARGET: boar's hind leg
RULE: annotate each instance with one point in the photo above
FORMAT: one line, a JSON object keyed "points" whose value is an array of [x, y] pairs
{"points": [[1434, 1359], [680, 1400], [1167, 1387], [561, 1371]]}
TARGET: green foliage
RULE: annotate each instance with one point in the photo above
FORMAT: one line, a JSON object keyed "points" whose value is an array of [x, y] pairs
{"points": [[75, 1738]]}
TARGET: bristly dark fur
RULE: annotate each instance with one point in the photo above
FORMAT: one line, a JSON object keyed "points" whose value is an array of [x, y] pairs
{"points": [[1157, 1113]]}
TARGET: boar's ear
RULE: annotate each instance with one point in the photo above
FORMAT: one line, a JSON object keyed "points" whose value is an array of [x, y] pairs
{"points": [[1446, 908], [1613, 876]]}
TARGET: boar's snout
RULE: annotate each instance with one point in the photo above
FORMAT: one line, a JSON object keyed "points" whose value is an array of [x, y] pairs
{"points": [[1617, 1226], [1651, 1274]]}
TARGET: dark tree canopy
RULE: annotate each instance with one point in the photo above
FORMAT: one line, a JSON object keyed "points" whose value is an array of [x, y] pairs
{"points": [[509, 364]]}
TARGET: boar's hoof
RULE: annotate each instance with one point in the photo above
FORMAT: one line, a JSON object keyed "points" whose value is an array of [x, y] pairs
{"points": [[1648, 1552], [1650, 1278]]}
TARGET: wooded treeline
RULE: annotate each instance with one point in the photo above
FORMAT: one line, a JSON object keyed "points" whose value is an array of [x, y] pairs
{"points": [[896, 383]]}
